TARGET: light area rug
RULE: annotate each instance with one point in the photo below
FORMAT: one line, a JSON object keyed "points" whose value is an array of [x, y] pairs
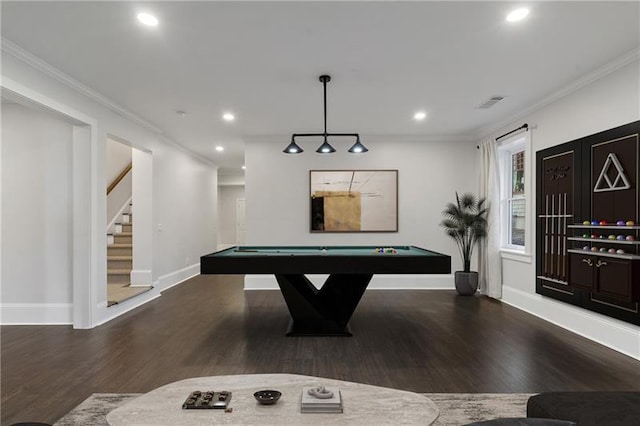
{"points": [[455, 408]]}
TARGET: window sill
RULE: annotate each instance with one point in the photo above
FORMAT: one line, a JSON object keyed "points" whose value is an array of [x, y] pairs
{"points": [[516, 255]]}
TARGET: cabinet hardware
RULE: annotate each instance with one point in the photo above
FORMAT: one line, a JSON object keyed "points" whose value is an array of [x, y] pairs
{"points": [[600, 263], [588, 262]]}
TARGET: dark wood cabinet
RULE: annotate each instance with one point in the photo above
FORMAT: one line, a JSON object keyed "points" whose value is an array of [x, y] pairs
{"points": [[581, 270], [605, 276], [588, 222], [615, 278]]}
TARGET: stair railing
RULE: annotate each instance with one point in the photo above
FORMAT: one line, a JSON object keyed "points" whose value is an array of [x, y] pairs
{"points": [[121, 176]]}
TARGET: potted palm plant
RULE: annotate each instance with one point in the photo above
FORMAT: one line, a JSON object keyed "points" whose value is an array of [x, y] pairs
{"points": [[466, 222]]}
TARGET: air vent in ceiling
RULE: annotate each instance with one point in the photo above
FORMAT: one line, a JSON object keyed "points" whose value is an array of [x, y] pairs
{"points": [[490, 102]]}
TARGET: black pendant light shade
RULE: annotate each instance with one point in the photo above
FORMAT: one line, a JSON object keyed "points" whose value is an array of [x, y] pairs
{"points": [[292, 148], [358, 148], [325, 148]]}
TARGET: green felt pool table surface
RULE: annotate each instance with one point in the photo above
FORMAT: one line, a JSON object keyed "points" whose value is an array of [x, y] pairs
{"points": [[324, 260], [323, 251]]}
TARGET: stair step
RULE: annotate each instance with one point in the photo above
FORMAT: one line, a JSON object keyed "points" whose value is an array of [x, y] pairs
{"points": [[119, 261], [123, 237], [118, 271], [121, 279], [119, 250]]}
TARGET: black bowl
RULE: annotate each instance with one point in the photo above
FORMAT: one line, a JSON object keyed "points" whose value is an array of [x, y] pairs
{"points": [[267, 397]]}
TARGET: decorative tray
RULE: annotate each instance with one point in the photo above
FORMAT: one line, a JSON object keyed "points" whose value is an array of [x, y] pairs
{"points": [[207, 399]]}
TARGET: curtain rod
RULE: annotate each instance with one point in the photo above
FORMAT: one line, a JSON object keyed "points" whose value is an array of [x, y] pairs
{"points": [[525, 126]]}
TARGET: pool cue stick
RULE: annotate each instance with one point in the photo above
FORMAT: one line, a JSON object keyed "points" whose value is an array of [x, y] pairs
{"points": [[564, 241], [553, 209], [559, 234], [546, 234]]}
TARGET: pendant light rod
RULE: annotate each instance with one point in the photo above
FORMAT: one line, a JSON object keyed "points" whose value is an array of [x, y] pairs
{"points": [[325, 148], [325, 79]]}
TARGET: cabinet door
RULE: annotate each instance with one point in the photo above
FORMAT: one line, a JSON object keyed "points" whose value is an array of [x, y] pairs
{"points": [[614, 277], [581, 271]]}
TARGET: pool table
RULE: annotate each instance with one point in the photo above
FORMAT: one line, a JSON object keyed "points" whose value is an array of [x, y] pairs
{"points": [[325, 311]]}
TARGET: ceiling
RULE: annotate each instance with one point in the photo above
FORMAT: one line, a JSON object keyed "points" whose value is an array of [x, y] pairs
{"points": [[261, 61]]}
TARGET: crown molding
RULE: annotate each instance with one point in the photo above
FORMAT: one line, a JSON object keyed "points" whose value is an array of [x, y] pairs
{"points": [[609, 68], [187, 151], [28, 58]]}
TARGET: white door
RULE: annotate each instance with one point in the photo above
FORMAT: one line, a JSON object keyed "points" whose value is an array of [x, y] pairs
{"points": [[241, 219]]}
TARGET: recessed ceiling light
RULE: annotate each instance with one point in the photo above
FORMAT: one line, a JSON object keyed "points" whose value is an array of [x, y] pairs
{"points": [[244, 167], [227, 116], [517, 15], [148, 19], [420, 115], [219, 148]]}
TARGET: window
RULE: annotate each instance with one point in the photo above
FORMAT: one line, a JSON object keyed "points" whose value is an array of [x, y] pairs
{"points": [[513, 157]]}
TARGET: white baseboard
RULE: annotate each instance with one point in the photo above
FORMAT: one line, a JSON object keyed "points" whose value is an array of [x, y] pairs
{"points": [[36, 313], [114, 311], [141, 277], [618, 335], [378, 282], [176, 277], [163, 283]]}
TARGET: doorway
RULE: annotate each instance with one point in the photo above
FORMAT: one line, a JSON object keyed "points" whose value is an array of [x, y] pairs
{"points": [[128, 177]]}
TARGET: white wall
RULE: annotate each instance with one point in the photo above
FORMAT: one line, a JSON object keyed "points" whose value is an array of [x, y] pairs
{"points": [[184, 186], [227, 196], [36, 212], [142, 209], [611, 101], [118, 157], [277, 192], [185, 210]]}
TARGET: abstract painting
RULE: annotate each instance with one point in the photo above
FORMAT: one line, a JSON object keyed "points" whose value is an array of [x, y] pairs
{"points": [[354, 200]]}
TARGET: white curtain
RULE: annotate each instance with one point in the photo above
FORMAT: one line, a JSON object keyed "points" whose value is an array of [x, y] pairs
{"points": [[489, 260]]}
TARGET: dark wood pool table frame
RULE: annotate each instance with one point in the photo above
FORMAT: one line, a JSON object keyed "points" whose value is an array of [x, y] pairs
{"points": [[325, 311]]}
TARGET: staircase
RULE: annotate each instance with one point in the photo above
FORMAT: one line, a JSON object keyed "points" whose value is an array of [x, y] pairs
{"points": [[120, 252], [120, 261]]}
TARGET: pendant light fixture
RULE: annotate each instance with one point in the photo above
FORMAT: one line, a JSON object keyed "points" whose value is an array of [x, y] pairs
{"points": [[326, 147]]}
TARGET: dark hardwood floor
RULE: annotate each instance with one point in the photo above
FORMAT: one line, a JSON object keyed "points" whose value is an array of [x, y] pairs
{"points": [[422, 341]]}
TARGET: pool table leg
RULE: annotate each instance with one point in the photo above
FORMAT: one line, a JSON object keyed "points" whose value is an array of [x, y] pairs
{"points": [[325, 311]]}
